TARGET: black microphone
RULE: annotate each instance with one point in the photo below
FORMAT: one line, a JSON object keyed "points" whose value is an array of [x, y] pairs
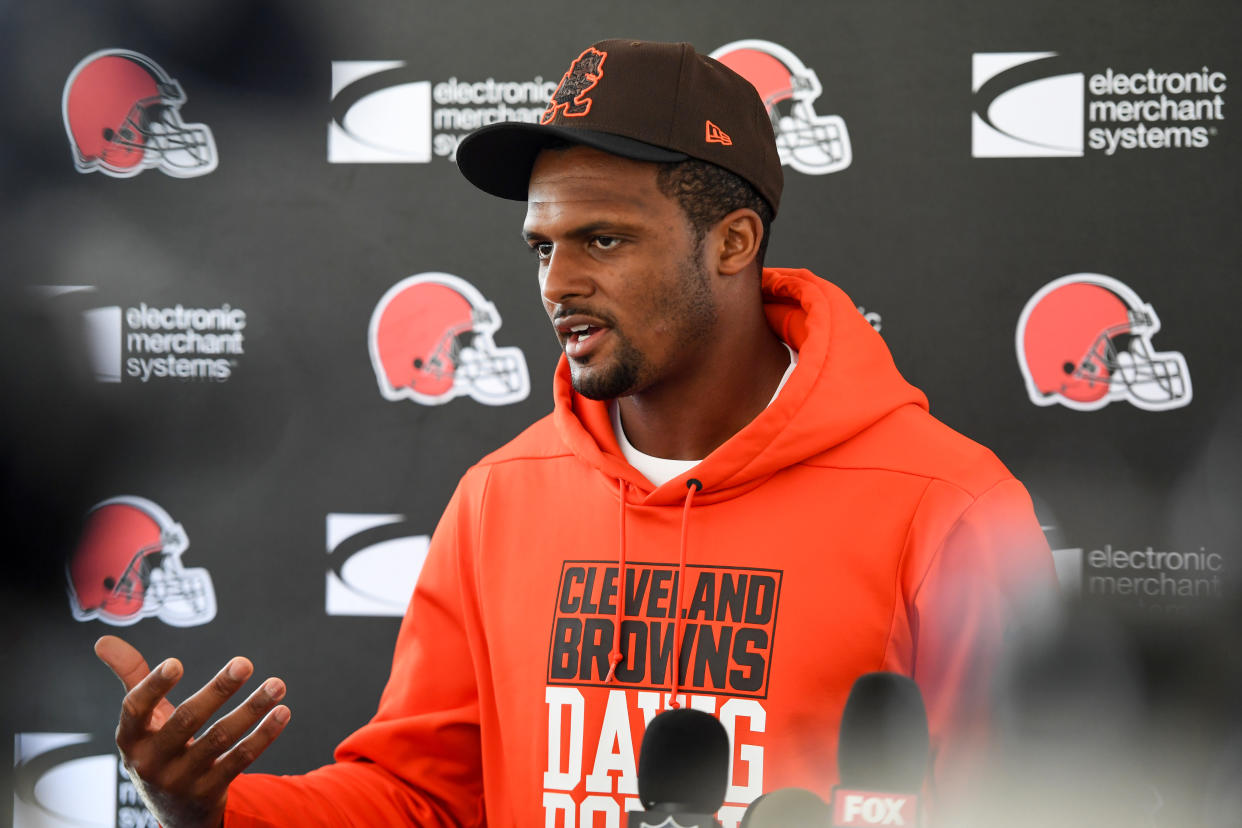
{"points": [[683, 770], [788, 808], [881, 753]]}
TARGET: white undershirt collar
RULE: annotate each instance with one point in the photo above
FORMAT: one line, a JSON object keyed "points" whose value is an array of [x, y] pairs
{"points": [[660, 470]]}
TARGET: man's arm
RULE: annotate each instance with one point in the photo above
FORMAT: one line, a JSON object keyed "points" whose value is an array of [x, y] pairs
{"points": [[991, 567]]}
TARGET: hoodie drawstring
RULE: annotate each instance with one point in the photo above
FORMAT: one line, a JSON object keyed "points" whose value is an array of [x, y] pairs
{"points": [[615, 657], [692, 486]]}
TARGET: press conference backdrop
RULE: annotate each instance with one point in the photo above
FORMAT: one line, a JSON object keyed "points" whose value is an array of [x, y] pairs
{"points": [[211, 330]]}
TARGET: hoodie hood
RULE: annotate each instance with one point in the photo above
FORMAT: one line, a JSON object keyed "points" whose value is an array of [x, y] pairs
{"points": [[844, 382]]}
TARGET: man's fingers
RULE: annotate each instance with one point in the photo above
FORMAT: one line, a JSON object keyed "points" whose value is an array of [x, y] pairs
{"points": [[128, 664], [248, 749], [222, 735], [142, 700], [192, 713]]}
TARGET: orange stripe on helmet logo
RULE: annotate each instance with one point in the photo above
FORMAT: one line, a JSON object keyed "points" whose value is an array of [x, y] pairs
{"points": [[570, 95], [716, 135]]}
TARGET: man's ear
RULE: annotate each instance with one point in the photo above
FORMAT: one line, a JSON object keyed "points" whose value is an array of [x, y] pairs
{"points": [[737, 238]]}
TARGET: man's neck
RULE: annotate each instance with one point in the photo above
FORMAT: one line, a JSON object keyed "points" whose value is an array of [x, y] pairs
{"points": [[690, 418]]}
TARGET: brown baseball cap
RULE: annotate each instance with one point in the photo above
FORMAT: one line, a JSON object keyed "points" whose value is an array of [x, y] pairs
{"points": [[638, 99]]}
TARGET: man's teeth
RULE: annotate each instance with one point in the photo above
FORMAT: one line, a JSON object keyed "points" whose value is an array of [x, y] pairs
{"points": [[583, 331]]}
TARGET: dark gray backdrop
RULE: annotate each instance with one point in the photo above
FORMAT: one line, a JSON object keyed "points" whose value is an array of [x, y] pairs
{"points": [[945, 247]]}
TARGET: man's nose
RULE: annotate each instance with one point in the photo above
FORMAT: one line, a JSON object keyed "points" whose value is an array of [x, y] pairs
{"points": [[565, 276]]}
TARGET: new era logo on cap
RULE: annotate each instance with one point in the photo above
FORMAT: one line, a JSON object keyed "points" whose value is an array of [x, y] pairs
{"points": [[716, 135]]}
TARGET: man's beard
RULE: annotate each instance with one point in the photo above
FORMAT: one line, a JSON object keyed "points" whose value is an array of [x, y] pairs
{"points": [[616, 382], [695, 306]]}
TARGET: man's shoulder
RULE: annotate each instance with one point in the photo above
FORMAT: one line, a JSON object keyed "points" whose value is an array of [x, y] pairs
{"points": [[538, 441], [910, 441]]}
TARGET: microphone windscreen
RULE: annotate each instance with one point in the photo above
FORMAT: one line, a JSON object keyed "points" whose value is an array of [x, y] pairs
{"points": [[883, 739], [684, 759], [788, 808]]}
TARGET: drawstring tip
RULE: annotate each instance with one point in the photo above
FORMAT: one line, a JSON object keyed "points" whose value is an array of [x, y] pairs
{"points": [[615, 659]]}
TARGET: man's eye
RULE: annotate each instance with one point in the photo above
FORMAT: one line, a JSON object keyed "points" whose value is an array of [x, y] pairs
{"points": [[542, 250], [606, 242]]}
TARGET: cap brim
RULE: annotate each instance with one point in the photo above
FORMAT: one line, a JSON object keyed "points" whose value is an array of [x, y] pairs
{"points": [[498, 158]]}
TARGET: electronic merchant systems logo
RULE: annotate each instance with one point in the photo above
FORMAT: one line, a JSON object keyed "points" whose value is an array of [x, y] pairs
{"points": [[383, 113], [1042, 104], [149, 342], [1147, 577], [73, 780], [373, 564]]}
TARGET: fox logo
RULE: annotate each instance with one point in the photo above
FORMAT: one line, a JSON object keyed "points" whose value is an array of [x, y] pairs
{"points": [[586, 71]]}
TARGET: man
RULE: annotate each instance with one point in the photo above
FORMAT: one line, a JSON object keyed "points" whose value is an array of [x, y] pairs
{"points": [[736, 505]]}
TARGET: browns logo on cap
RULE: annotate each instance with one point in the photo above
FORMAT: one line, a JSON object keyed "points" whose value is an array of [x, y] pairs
{"points": [[570, 95], [638, 99]]}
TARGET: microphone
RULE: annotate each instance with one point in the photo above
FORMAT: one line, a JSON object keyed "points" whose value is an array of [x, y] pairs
{"points": [[683, 770], [788, 808], [881, 753]]}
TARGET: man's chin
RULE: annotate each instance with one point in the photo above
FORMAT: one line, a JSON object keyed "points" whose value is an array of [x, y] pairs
{"points": [[594, 391], [600, 385]]}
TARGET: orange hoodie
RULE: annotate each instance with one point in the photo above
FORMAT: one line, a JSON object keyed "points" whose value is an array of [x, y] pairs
{"points": [[844, 530]]}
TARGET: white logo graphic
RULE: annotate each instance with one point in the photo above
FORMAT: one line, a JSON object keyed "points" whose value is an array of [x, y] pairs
{"points": [[382, 114], [1039, 116], [1068, 565], [127, 566], [1085, 340], [807, 141], [431, 340], [122, 113], [72, 780], [373, 564], [1066, 560], [388, 125], [103, 335]]}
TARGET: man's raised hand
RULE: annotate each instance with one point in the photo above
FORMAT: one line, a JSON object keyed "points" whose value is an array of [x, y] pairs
{"points": [[184, 781]]}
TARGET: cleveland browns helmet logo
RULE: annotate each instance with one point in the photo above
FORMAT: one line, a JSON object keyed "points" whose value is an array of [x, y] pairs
{"points": [[1084, 340], [122, 114], [809, 142], [430, 340], [127, 566]]}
